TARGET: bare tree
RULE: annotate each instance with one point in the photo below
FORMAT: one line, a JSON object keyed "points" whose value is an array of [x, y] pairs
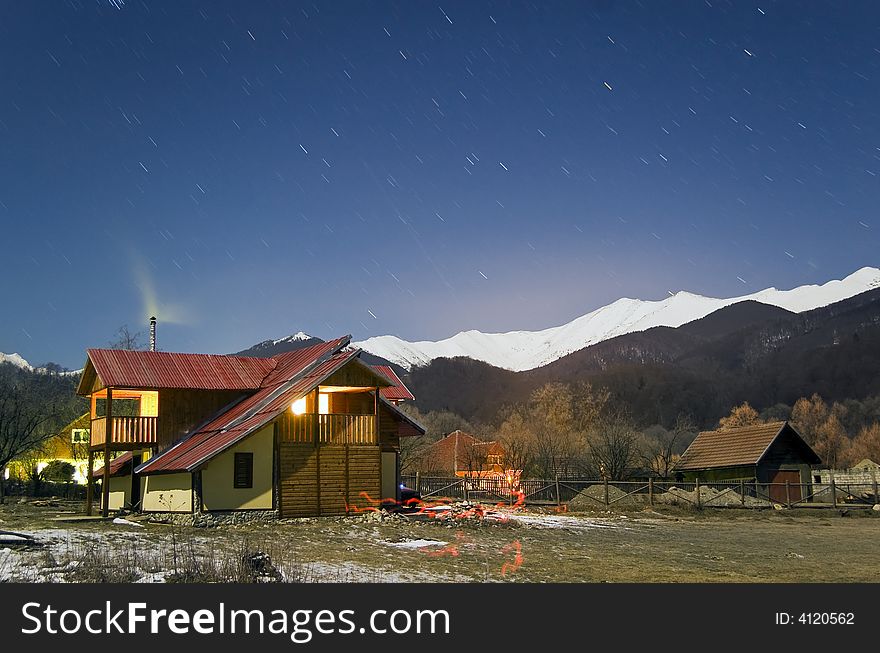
{"points": [[613, 444], [517, 442], [125, 339], [25, 420], [474, 457], [661, 447], [412, 453]]}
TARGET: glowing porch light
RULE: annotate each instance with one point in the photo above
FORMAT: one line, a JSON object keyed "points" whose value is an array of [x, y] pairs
{"points": [[298, 407]]}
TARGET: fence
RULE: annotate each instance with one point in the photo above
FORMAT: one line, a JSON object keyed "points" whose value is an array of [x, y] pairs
{"points": [[605, 493]]}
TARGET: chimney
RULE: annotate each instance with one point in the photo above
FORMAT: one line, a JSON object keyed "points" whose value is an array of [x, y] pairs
{"points": [[153, 333]]}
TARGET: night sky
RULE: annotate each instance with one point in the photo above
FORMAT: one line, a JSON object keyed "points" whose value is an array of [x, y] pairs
{"points": [[246, 170]]}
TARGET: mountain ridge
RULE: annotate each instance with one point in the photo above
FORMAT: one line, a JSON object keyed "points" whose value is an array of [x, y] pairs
{"points": [[524, 350], [744, 352]]}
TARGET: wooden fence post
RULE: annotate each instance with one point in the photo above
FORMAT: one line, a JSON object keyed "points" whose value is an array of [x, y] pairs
{"points": [[833, 490], [697, 492], [418, 487], [558, 496], [742, 492], [874, 484], [788, 494], [90, 482], [650, 491], [607, 502], [464, 487]]}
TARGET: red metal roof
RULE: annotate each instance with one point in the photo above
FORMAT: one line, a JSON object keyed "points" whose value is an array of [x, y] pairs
{"points": [[397, 391], [303, 374], [116, 465], [124, 368]]}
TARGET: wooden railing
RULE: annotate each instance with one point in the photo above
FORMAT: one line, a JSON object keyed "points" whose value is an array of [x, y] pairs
{"points": [[332, 429], [126, 430]]}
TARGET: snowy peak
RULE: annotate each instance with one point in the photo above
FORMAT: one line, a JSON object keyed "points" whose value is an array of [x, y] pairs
{"points": [[15, 359], [296, 337], [525, 350], [298, 340]]}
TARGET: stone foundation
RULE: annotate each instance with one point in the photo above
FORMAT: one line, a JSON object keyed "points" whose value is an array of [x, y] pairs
{"points": [[209, 519]]}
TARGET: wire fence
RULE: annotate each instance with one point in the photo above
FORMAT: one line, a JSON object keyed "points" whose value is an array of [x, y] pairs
{"points": [[745, 493]]}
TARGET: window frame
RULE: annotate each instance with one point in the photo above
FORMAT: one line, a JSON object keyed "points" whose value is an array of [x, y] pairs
{"points": [[243, 458], [75, 432]]}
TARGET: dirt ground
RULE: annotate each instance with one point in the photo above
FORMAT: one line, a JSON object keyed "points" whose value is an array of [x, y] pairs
{"points": [[672, 545]]}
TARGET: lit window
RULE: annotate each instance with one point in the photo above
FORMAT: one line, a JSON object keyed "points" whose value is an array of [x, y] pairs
{"points": [[78, 436], [324, 403], [298, 407], [150, 404]]}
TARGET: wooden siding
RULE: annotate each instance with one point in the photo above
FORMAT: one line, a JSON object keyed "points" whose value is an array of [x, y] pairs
{"points": [[182, 410], [327, 480], [356, 374], [787, 449], [389, 440]]}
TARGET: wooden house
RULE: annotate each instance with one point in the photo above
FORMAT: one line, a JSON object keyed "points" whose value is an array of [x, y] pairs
{"points": [[303, 433], [770, 455]]}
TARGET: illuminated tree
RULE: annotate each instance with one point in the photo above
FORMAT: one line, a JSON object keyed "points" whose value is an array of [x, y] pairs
{"points": [[742, 415]]}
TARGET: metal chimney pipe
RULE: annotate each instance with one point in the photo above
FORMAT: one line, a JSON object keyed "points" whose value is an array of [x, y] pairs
{"points": [[153, 333]]}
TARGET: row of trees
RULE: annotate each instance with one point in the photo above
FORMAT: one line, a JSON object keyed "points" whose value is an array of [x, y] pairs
{"points": [[33, 407], [823, 427], [570, 430], [581, 430]]}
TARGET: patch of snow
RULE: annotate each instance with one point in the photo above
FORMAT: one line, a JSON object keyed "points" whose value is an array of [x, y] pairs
{"points": [[552, 521], [525, 350], [296, 337], [10, 563], [415, 544], [154, 577], [9, 538], [125, 522]]}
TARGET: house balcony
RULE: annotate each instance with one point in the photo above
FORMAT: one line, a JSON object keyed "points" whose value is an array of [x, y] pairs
{"points": [[332, 428], [128, 432]]}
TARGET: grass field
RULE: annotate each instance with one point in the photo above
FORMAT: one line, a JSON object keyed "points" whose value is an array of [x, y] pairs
{"points": [[677, 545]]}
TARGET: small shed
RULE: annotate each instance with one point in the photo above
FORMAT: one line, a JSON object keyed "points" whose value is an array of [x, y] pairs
{"points": [[768, 454]]}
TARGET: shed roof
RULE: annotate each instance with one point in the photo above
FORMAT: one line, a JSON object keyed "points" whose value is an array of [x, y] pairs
{"points": [[745, 445]]}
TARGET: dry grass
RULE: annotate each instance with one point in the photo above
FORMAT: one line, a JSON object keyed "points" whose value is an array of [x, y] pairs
{"points": [[675, 545]]}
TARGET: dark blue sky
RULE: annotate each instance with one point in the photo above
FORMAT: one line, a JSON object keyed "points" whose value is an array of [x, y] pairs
{"points": [[261, 168]]}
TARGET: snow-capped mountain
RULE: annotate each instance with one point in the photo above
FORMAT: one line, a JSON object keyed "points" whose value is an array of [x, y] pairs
{"points": [[298, 340], [525, 350], [16, 360]]}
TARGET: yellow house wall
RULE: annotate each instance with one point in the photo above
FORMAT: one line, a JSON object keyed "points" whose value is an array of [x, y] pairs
{"points": [[167, 492], [120, 492], [218, 492]]}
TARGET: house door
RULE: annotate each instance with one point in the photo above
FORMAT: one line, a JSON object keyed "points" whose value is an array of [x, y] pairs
{"points": [[390, 485], [778, 478]]}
